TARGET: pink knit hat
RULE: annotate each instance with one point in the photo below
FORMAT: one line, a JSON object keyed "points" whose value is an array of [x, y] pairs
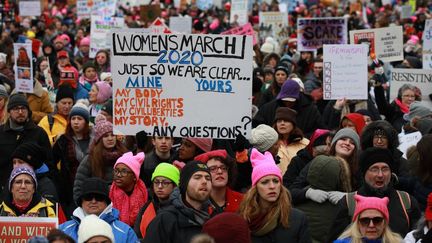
{"points": [[101, 128], [363, 203], [104, 93], [85, 41], [133, 162], [263, 165], [205, 144]]}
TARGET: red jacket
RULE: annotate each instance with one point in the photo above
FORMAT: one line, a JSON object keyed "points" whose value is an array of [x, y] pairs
{"points": [[233, 200]]}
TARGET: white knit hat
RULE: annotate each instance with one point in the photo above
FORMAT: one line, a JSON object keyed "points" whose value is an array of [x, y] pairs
{"points": [[3, 57], [105, 75], [263, 137], [92, 226]]}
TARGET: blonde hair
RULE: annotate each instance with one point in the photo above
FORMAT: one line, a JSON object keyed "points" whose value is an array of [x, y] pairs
{"points": [[250, 208], [353, 232]]}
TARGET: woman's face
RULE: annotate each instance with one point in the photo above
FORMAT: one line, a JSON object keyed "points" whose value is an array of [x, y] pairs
{"points": [[344, 147], [123, 176], [281, 77], [23, 188], [284, 127], [109, 140], [90, 73], [272, 62], [77, 124], [408, 97], [219, 173], [43, 65], [101, 58], [93, 94], [187, 150], [269, 188], [162, 187], [371, 224], [2, 102]]}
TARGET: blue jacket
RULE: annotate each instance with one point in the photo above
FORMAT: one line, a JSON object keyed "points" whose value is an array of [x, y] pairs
{"points": [[122, 232], [348, 240]]}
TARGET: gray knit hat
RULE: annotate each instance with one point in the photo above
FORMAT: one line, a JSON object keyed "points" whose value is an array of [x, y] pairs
{"points": [[263, 137], [417, 109], [347, 133], [3, 92]]}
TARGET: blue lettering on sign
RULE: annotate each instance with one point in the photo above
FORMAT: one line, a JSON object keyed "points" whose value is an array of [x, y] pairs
{"points": [[144, 82], [220, 86]]}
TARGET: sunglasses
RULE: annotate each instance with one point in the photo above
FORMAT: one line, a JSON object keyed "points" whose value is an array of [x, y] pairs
{"points": [[97, 197], [366, 221]]}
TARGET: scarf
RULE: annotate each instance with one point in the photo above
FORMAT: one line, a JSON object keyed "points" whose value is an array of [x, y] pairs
{"points": [[129, 205], [262, 225], [110, 157], [404, 108], [21, 207]]}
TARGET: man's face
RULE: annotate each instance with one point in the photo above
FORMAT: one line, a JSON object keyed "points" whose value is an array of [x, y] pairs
{"points": [[64, 106], [93, 204], [199, 187], [162, 144], [378, 175], [19, 114]]}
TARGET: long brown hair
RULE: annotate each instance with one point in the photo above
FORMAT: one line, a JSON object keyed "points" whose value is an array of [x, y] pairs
{"points": [[250, 207], [69, 133], [97, 162], [352, 161]]}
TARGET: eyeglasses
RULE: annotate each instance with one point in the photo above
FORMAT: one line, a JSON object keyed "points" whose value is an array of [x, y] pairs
{"points": [[97, 197], [378, 137], [19, 108], [376, 170], [215, 168], [121, 173], [366, 221], [162, 183]]}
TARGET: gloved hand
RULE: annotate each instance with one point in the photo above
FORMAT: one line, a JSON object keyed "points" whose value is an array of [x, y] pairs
{"points": [[335, 196], [317, 195], [240, 143]]}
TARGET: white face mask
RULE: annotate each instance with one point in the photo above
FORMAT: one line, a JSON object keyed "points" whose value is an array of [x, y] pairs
{"points": [[379, 70]]}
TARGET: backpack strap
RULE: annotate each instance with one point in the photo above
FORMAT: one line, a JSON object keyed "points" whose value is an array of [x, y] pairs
{"points": [[405, 201], [351, 203], [50, 121]]}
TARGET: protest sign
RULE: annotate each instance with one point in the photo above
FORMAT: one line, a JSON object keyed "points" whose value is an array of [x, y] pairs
{"points": [[181, 24], [100, 27], [408, 140], [182, 85], [420, 78], [242, 30], [427, 45], [345, 72], [159, 27], [405, 12], [104, 7], [29, 8], [23, 67], [313, 33], [84, 8], [20, 229], [386, 2], [204, 4], [239, 12], [276, 22], [386, 43]]}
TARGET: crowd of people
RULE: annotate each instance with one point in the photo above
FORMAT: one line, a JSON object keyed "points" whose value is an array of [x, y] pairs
{"points": [[313, 170]]}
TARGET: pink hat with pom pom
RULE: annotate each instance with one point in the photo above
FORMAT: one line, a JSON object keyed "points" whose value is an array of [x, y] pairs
{"points": [[263, 165], [104, 91], [101, 128], [133, 162], [364, 203]]}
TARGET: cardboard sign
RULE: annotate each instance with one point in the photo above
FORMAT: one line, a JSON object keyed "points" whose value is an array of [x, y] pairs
{"points": [[386, 43], [276, 23], [345, 72], [104, 7], [408, 140], [100, 27], [182, 85], [20, 229], [242, 30], [23, 67], [427, 45], [29, 8], [313, 33], [150, 13], [420, 78], [181, 24], [84, 8], [239, 12]]}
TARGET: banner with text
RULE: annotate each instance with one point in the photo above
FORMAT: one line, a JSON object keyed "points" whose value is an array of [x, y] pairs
{"points": [[420, 78], [239, 12], [182, 85], [243, 30], [313, 33], [100, 28], [345, 72], [21, 229], [386, 43], [276, 23], [29, 8], [23, 67], [427, 45]]}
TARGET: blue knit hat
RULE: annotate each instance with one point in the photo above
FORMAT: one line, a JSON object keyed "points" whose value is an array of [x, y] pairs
{"points": [[22, 170], [80, 109]]}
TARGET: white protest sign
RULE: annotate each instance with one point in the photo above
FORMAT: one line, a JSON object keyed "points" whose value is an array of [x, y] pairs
{"points": [[84, 8], [386, 43], [345, 72], [104, 7], [313, 33], [100, 27], [405, 12], [242, 30], [23, 67], [427, 45], [29, 8], [239, 12], [182, 85], [283, 7], [420, 78], [386, 2], [181, 24], [19, 229], [204, 4], [277, 22], [408, 140]]}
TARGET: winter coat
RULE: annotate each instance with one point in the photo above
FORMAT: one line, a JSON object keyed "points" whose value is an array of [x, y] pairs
{"points": [[348, 240], [308, 117], [297, 231], [297, 164], [232, 202], [46, 187], [122, 232], [398, 222], [11, 139], [147, 168], [147, 213], [177, 223], [58, 126], [421, 193], [287, 151], [39, 207], [392, 111], [416, 236]]}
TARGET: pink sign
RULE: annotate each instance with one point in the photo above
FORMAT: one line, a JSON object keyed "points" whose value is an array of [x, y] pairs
{"points": [[242, 30]]}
